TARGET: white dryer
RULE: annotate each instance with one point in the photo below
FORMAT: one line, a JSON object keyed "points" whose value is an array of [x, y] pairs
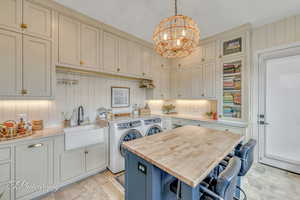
{"points": [[152, 126], [120, 132]]}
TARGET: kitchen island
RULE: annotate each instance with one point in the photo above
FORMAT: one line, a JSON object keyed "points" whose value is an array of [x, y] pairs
{"points": [[188, 154]]}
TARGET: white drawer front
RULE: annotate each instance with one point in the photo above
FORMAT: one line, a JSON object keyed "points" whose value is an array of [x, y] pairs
{"points": [[5, 153], [4, 173]]}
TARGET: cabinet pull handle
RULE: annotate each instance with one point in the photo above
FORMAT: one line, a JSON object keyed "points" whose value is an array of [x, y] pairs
{"points": [[35, 145], [220, 56], [118, 69], [24, 26], [23, 92]]}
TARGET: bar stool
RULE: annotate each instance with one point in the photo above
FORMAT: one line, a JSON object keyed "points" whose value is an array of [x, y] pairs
{"points": [[222, 188]]}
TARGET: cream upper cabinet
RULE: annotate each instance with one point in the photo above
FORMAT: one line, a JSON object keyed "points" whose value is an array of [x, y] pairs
{"points": [[37, 20], [36, 67], [209, 51], [34, 165], [11, 14], [89, 48], [69, 41], [197, 82], [165, 80], [209, 80], [123, 56], [110, 52], [11, 63], [146, 62], [134, 59]]}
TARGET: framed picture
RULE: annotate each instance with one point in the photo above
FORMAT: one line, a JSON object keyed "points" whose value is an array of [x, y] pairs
{"points": [[120, 97], [232, 46]]}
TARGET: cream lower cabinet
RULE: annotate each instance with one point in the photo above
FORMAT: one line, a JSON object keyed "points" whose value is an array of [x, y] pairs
{"points": [[33, 168], [72, 165]]}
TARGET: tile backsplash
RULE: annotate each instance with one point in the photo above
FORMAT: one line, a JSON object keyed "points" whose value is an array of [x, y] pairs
{"points": [[92, 92], [198, 107]]}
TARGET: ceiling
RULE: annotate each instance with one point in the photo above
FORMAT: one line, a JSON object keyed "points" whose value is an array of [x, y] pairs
{"points": [[139, 17]]}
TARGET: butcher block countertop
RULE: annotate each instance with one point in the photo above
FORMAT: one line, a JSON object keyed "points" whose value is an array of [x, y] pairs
{"points": [[188, 153]]}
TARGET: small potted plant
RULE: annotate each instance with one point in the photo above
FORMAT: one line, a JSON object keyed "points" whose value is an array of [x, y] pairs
{"points": [[168, 108]]}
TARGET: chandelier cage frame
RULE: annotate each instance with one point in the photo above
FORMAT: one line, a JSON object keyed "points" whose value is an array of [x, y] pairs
{"points": [[176, 36]]}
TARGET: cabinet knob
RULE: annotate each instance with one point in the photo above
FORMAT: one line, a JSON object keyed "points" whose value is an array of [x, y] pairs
{"points": [[203, 59], [24, 92], [118, 69], [24, 26], [202, 95], [162, 65], [220, 56], [81, 62], [86, 152], [226, 129]]}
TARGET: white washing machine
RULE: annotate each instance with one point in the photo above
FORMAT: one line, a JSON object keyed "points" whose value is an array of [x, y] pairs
{"points": [[120, 132], [152, 126]]}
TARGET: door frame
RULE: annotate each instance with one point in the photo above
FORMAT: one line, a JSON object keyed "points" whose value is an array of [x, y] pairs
{"points": [[260, 58]]}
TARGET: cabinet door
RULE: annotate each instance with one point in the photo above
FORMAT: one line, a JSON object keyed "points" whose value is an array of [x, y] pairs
{"points": [[11, 14], [34, 166], [209, 52], [36, 67], [110, 52], [69, 41], [5, 191], [209, 80], [165, 81], [89, 47], [123, 56], [11, 63], [72, 164], [96, 157], [146, 62], [197, 82], [38, 20], [134, 59], [185, 82]]}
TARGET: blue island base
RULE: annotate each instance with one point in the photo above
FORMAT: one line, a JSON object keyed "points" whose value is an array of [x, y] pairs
{"points": [[144, 181]]}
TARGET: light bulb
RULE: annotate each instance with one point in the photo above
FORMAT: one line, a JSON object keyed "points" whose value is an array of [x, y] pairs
{"points": [[183, 32], [165, 36], [178, 42]]}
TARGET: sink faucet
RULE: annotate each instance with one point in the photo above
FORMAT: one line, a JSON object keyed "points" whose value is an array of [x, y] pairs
{"points": [[80, 118]]}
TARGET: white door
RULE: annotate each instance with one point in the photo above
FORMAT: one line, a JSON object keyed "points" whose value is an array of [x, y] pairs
{"points": [[89, 47], [11, 14], [279, 111], [69, 41], [36, 67], [38, 20], [11, 63]]}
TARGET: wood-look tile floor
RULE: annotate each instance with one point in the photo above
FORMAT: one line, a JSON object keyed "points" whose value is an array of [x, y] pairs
{"points": [[261, 183]]}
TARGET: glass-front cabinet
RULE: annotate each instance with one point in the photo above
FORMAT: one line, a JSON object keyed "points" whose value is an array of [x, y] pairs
{"points": [[232, 101]]}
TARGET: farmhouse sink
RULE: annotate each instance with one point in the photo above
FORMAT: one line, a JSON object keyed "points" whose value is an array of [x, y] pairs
{"points": [[82, 136]]}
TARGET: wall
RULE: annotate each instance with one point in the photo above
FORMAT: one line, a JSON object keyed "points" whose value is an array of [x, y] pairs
{"points": [[195, 107], [91, 92]]}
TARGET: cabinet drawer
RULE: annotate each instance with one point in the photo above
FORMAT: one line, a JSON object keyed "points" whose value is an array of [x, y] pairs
{"points": [[4, 172], [5, 153], [5, 192]]}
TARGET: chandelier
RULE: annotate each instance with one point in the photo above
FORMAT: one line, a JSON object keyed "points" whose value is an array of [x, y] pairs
{"points": [[176, 36]]}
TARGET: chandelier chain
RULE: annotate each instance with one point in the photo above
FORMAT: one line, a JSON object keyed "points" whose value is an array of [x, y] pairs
{"points": [[176, 12]]}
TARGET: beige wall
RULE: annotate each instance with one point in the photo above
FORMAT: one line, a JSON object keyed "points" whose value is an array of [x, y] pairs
{"points": [[91, 92], [278, 33]]}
